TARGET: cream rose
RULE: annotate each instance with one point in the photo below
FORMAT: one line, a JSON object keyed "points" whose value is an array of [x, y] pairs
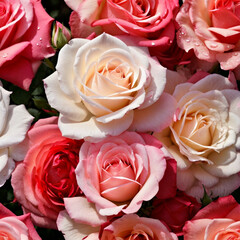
{"points": [[204, 136], [14, 124], [104, 87]]}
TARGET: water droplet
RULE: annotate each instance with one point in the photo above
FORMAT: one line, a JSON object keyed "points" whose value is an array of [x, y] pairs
{"points": [[187, 40], [235, 54], [170, 41], [213, 45], [153, 43], [40, 39], [197, 44], [205, 53], [4, 55], [38, 28], [157, 22], [228, 46], [37, 44], [182, 32]]}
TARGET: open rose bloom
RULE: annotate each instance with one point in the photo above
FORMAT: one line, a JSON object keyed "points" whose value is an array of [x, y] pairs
{"points": [[212, 29], [151, 20], [204, 136], [119, 173], [219, 220], [151, 23], [47, 174], [14, 227], [103, 87], [25, 29]]}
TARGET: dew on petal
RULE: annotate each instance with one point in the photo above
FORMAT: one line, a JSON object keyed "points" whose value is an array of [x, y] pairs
{"points": [[4, 55]]}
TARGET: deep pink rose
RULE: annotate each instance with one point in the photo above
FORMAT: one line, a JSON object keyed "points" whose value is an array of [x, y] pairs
{"points": [[25, 31], [219, 220], [119, 173], [16, 227], [175, 211], [47, 174], [212, 29], [151, 21]]}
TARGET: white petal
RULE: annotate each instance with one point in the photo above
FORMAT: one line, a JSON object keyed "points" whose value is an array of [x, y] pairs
{"points": [[7, 165], [182, 161], [156, 117], [92, 128], [88, 214], [18, 123], [203, 176], [226, 170], [226, 186], [211, 82], [60, 101], [72, 230], [157, 83], [4, 104], [65, 68]]}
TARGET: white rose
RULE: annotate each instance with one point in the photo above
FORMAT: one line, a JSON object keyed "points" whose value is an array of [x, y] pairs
{"points": [[204, 136], [103, 87], [14, 123]]}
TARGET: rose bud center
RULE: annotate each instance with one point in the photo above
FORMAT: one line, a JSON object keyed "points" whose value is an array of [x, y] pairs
{"points": [[118, 181]]}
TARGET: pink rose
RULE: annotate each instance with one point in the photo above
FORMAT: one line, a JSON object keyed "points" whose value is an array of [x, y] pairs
{"points": [[175, 211], [212, 29], [219, 220], [25, 30], [119, 173], [152, 21], [16, 227], [134, 227], [127, 227], [47, 174]]}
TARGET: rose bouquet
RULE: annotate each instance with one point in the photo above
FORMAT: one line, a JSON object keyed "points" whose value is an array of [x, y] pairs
{"points": [[119, 119]]}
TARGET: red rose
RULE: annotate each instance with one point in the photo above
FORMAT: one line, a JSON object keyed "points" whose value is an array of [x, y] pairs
{"points": [[47, 174], [174, 212]]}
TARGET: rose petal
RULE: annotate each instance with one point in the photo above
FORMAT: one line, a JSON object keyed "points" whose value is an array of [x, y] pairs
{"points": [[72, 230], [88, 214], [151, 119]]}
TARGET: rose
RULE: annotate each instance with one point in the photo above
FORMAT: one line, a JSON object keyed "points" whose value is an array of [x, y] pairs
{"points": [[119, 173], [219, 220], [14, 124], [175, 211], [25, 30], [171, 56], [104, 87], [47, 174], [16, 227], [134, 227], [203, 137], [129, 226], [211, 29], [145, 19], [151, 21], [60, 35]]}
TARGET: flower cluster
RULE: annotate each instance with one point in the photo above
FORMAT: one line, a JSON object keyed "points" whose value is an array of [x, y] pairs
{"points": [[120, 122]]}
